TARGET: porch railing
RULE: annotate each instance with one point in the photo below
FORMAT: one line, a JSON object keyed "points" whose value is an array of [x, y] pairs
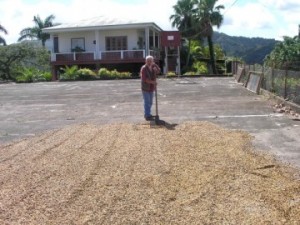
{"points": [[102, 55], [123, 54], [72, 56], [155, 54]]}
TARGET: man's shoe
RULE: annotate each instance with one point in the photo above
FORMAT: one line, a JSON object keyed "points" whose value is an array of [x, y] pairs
{"points": [[149, 118]]}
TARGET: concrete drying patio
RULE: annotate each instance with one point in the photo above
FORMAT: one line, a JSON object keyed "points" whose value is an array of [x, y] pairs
{"points": [[27, 110]]}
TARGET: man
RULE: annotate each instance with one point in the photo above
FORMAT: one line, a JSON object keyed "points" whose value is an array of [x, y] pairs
{"points": [[148, 82]]}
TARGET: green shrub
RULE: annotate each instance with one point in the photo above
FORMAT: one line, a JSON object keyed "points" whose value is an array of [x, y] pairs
{"points": [[189, 73], [171, 74], [30, 74], [125, 75], [86, 71], [86, 74], [114, 74], [104, 73], [69, 73], [200, 67], [47, 76]]}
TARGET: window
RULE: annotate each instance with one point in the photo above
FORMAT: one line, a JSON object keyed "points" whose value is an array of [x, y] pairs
{"points": [[116, 43], [55, 44], [153, 44], [77, 44]]}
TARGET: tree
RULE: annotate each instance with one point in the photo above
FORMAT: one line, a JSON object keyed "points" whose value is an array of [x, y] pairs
{"points": [[207, 16], [11, 56], [36, 31], [2, 40], [16, 57], [183, 20], [285, 53]]}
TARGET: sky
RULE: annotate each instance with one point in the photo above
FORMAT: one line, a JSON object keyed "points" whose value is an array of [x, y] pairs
{"points": [[248, 18]]}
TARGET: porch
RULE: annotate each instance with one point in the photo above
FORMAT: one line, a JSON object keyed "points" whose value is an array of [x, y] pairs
{"points": [[123, 60], [105, 56]]}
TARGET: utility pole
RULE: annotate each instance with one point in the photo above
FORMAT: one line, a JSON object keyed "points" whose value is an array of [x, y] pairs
{"points": [[298, 30]]}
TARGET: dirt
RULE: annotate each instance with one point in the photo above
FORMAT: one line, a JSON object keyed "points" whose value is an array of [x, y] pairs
{"points": [[192, 173]]}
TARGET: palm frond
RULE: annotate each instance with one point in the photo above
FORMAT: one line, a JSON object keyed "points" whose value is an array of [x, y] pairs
{"points": [[2, 41], [3, 29]]}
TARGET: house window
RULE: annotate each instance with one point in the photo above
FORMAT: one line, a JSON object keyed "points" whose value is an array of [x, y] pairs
{"points": [[55, 44], [151, 43], [116, 43], [77, 44]]}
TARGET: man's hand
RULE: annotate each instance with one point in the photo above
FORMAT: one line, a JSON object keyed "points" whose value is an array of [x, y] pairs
{"points": [[155, 68], [156, 71]]}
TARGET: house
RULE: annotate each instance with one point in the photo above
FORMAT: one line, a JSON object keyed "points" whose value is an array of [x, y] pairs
{"points": [[101, 42]]}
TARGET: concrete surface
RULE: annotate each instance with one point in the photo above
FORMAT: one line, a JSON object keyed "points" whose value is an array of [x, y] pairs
{"points": [[29, 109]]}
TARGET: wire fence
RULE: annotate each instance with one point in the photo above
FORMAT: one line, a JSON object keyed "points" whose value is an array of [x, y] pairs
{"points": [[282, 82]]}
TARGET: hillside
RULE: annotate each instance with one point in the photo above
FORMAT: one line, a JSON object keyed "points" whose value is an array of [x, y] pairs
{"points": [[251, 50]]}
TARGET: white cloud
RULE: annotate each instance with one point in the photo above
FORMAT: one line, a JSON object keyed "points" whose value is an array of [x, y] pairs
{"points": [[20, 14], [248, 20], [286, 5], [252, 16], [260, 18]]}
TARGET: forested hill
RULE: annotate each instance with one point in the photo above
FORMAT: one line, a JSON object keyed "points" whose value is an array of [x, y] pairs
{"points": [[251, 50]]}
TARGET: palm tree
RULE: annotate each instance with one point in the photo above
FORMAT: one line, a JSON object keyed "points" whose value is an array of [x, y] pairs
{"points": [[208, 15], [2, 40], [36, 31], [183, 20]]}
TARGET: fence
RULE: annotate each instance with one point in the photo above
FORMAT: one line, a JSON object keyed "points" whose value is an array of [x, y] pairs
{"points": [[282, 82]]}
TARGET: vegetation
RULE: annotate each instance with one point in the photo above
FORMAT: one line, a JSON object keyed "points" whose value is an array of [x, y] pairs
{"points": [[2, 40], [183, 19], [200, 57], [36, 31], [69, 73], [250, 50], [15, 57], [113, 74], [74, 73], [195, 20], [86, 74], [32, 74], [171, 74], [286, 54], [190, 73], [209, 15]]}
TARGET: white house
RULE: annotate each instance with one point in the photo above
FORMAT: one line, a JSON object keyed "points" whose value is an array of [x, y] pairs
{"points": [[101, 42]]}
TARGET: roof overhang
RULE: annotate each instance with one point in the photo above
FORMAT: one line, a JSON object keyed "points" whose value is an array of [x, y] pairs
{"points": [[65, 28]]}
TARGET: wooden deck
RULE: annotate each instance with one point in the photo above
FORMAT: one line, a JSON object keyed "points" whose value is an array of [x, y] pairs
{"points": [[102, 57]]}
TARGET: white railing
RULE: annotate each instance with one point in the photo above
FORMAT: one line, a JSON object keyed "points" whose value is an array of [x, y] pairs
{"points": [[73, 56], [122, 54], [103, 55]]}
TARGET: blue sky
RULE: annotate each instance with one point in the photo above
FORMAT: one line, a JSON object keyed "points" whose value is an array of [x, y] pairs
{"points": [[256, 18]]}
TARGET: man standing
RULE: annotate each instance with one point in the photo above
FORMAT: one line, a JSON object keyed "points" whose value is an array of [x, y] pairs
{"points": [[148, 82]]}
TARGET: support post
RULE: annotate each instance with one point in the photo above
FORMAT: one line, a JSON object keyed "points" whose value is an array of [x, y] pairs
{"points": [[97, 55], [178, 61], [147, 41], [54, 73], [166, 69]]}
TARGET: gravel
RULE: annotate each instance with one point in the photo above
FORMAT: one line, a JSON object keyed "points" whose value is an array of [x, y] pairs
{"points": [[192, 173]]}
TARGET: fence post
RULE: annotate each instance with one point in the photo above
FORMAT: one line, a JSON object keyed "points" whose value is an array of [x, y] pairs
{"points": [[263, 85], [272, 79], [285, 83]]}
